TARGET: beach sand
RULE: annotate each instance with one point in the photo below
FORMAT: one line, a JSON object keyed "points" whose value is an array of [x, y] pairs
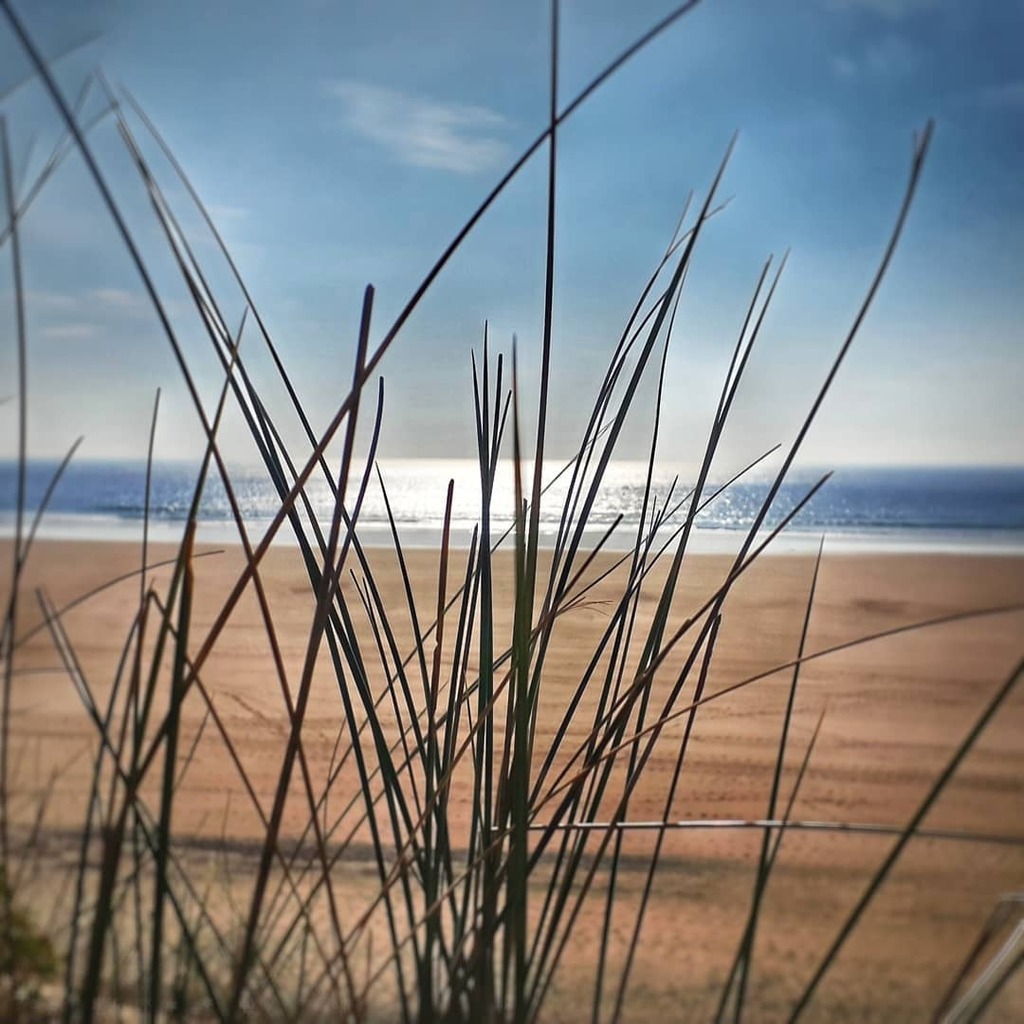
{"points": [[894, 710]]}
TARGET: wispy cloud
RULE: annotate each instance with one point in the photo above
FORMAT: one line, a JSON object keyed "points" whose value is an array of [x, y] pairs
{"points": [[421, 131], [1006, 94], [894, 10], [844, 66], [889, 56], [95, 301], [116, 298], [223, 212], [69, 332], [77, 315], [50, 301]]}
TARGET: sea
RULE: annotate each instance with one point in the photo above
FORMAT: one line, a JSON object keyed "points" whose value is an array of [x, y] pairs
{"points": [[964, 509]]}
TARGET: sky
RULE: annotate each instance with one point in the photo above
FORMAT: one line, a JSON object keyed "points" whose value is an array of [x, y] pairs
{"points": [[342, 144]]}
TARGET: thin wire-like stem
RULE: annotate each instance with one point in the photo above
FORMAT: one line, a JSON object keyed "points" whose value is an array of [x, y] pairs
{"points": [[781, 825]]}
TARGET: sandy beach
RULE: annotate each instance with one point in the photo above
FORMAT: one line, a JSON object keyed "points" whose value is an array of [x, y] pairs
{"points": [[893, 713]]}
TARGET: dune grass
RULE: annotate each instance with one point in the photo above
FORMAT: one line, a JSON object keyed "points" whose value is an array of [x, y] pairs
{"points": [[464, 915]]}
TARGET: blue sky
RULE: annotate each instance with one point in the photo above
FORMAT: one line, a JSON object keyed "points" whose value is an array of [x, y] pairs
{"points": [[344, 143]]}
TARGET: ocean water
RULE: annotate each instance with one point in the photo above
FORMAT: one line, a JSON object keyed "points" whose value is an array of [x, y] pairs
{"points": [[977, 509]]}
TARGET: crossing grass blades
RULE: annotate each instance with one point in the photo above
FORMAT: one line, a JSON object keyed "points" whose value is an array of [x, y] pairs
{"points": [[471, 912]]}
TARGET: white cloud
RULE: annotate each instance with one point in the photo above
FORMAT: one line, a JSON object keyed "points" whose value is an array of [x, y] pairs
{"points": [[69, 332], [891, 9], [65, 314], [117, 298], [1006, 94], [222, 212], [889, 56], [92, 300], [844, 67], [421, 131], [54, 301]]}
